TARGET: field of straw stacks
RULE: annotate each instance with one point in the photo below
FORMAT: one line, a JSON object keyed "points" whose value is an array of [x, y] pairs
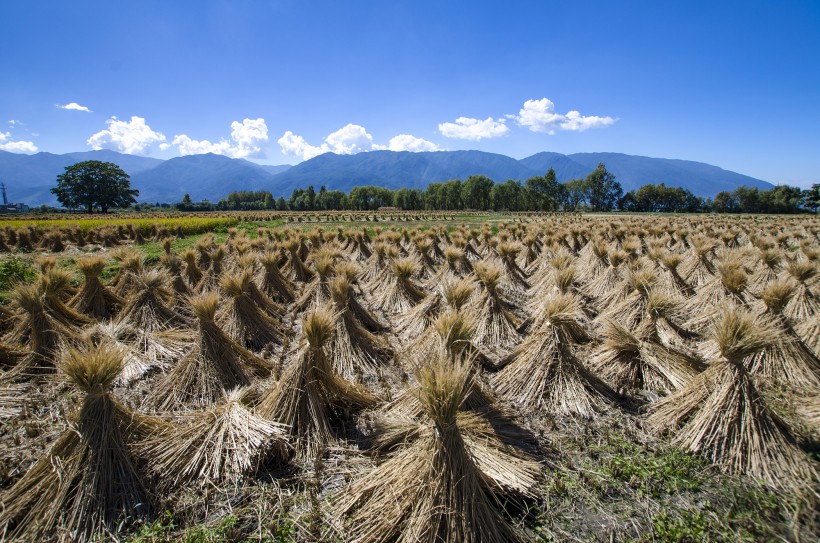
{"points": [[431, 379]]}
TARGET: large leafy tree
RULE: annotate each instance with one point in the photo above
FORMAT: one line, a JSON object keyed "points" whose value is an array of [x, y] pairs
{"points": [[93, 184], [811, 197], [545, 193], [604, 191]]}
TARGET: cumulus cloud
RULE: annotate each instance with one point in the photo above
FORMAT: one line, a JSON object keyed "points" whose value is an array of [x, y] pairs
{"points": [[74, 106], [294, 145], [349, 140], [406, 142], [7, 144], [132, 137], [467, 128], [246, 141], [540, 116]]}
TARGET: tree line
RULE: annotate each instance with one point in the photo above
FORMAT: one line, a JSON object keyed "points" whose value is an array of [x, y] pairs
{"points": [[103, 185], [599, 191]]}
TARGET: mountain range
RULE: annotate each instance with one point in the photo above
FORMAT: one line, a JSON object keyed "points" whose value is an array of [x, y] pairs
{"points": [[208, 176]]}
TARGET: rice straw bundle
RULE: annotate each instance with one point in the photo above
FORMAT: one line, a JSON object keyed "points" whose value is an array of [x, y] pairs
{"points": [[87, 484], [192, 273], [220, 444], [803, 304], [450, 293], [55, 286], [173, 265], [630, 310], [544, 372], [148, 308], [131, 262], [610, 278], [786, 360], [273, 283], [455, 266], [215, 364], [354, 351], [45, 335], [722, 416], [639, 361], [727, 287], [94, 298], [697, 268], [295, 268], [398, 291], [496, 320], [317, 292], [514, 277], [444, 483], [242, 318], [310, 392]]}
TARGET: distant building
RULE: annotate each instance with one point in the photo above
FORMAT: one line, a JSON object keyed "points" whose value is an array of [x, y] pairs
{"points": [[7, 207]]}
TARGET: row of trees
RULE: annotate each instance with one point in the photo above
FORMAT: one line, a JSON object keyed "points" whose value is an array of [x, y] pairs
{"points": [[598, 192], [94, 185]]}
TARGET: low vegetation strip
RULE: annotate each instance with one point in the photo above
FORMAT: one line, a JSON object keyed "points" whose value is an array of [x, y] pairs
{"points": [[189, 225]]}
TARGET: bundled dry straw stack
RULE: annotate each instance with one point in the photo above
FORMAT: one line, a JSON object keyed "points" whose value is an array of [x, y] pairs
{"points": [[426, 354]]}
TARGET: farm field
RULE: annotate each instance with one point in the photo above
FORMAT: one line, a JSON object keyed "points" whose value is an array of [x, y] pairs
{"points": [[409, 376]]}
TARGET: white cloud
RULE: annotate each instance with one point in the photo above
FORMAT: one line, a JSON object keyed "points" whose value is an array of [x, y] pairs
{"points": [[406, 142], [467, 128], [294, 145], [349, 140], [540, 116], [247, 138], [164, 146], [74, 106], [6, 144], [14, 122], [187, 146], [133, 137]]}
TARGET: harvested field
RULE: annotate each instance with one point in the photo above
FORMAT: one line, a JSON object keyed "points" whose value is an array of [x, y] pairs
{"points": [[410, 377]]}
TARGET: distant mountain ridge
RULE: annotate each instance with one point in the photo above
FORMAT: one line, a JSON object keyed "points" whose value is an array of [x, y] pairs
{"points": [[211, 177]]}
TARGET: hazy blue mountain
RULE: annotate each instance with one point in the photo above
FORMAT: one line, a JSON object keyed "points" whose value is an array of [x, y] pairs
{"points": [[211, 177], [203, 177], [396, 169], [271, 169], [565, 168], [700, 178]]}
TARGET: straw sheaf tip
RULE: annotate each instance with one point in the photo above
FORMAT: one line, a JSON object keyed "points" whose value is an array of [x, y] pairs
{"points": [[442, 388], [91, 266], [738, 333], [204, 305], [777, 294], [348, 269], [340, 290], [643, 280], [660, 303], [453, 255], [153, 280], [458, 293], [488, 273], [620, 339], [405, 268], [29, 298], [563, 308], [55, 282], [802, 270], [93, 368], [318, 326], [236, 284], [455, 328]]}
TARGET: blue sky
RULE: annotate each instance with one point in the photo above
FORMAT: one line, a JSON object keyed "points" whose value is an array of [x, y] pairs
{"points": [[735, 84]]}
